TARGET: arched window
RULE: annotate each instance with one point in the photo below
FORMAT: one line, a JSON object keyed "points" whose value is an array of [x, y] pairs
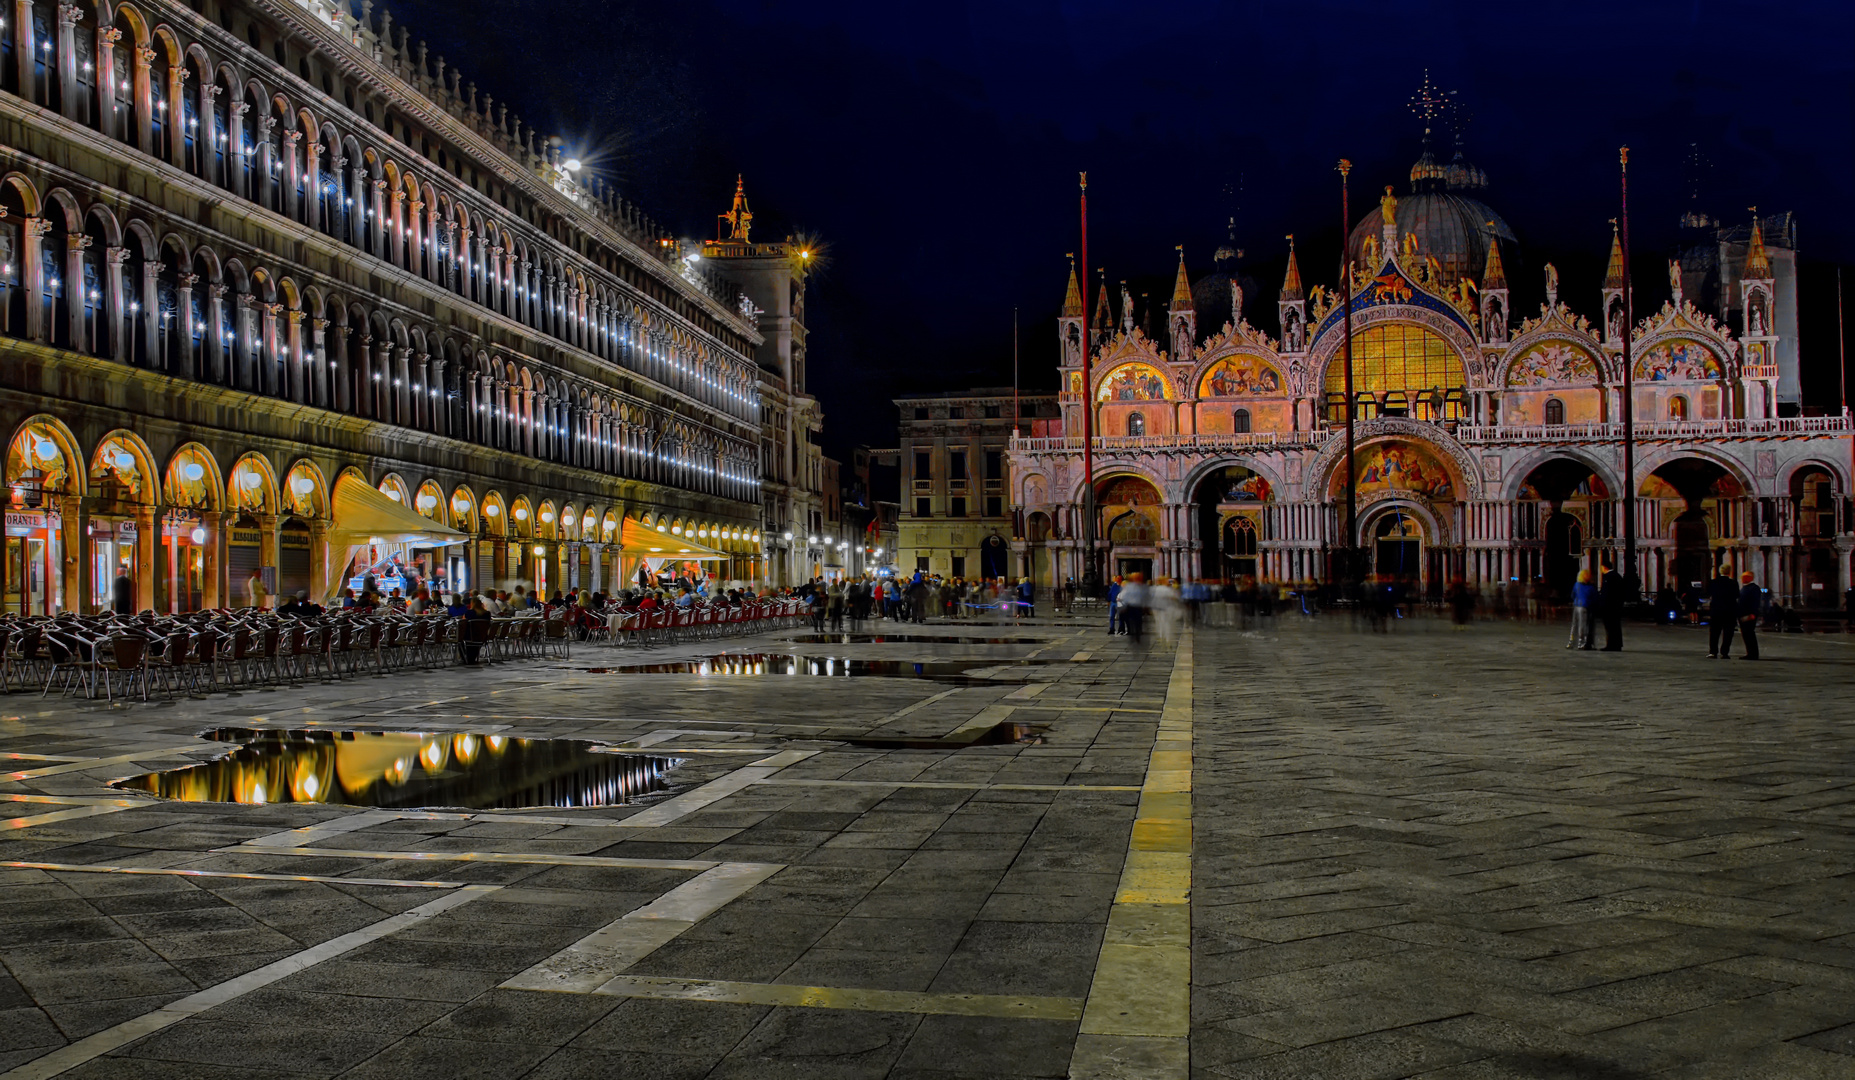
{"points": [[1555, 412], [1240, 421], [1136, 424], [1677, 408]]}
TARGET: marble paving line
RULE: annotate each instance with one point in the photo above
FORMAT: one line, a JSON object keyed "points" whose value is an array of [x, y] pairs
{"points": [[513, 857], [1138, 1019], [180, 871], [1003, 1006], [119, 759], [65, 815], [88, 1049], [593, 961], [715, 790]]}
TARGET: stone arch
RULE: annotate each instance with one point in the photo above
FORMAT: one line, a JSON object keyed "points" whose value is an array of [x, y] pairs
{"points": [[192, 479], [251, 485], [69, 456], [393, 486], [495, 513], [1267, 468], [463, 509], [305, 490], [1466, 475], [1656, 458], [429, 502], [1516, 473], [1790, 470], [24, 190], [139, 470]]}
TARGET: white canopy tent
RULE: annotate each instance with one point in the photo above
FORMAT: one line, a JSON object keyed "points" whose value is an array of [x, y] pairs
{"points": [[363, 516]]}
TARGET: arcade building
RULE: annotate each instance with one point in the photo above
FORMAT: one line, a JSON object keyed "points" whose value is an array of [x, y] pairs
{"points": [[1489, 447], [281, 292]]}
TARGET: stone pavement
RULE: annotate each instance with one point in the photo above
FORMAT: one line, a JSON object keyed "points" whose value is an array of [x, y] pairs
{"points": [[1300, 852], [1475, 855]]}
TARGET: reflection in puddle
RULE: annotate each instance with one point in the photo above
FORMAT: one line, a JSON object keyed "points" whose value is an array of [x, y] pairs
{"points": [[403, 769], [830, 666], [918, 639], [1003, 734]]}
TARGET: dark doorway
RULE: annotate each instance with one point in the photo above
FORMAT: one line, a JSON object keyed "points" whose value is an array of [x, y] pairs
{"points": [[1397, 549], [1564, 554], [1128, 567]]}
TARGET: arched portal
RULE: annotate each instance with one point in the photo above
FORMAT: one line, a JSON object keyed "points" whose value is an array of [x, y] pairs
{"points": [[1230, 504], [1562, 509], [1397, 549], [1697, 510]]}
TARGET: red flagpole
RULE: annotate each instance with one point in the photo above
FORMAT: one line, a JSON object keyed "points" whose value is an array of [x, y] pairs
{"points": [[1090, 579], [1631, 579]]}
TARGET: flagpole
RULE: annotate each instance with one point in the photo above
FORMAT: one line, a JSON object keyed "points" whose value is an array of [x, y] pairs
{"points": [[1014, 373], [1632, 582], [1349, 569], [1091, 579]]}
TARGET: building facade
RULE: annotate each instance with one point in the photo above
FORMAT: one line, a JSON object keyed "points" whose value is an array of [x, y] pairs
{"points": [[257, 249], [956, 514], [792, 469], [1488, 447]]}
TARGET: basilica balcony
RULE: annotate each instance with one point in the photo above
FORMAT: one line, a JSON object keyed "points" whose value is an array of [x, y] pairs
{"points": [[1262, 441]]}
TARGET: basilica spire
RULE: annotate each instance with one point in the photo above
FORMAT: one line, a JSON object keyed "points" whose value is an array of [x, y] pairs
{"points": [[1104, 314], [1493, 275], [1613, 275], [1758, 263], [1072, 300], [1291, 282], [1182, 286]]}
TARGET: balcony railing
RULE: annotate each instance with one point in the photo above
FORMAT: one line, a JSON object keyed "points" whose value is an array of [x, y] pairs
{"points": [[1658, 429]]}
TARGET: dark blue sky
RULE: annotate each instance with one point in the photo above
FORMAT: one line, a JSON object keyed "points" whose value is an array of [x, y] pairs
{"points": [[935, 145]]}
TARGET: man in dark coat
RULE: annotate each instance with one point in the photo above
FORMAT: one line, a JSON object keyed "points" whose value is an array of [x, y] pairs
{"points": [[1610, 601], [1722, 613], [124, 596], [1751, 599]]}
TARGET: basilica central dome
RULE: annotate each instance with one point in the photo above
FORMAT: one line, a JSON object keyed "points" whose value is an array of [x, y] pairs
{"points": [[1448, 223]]}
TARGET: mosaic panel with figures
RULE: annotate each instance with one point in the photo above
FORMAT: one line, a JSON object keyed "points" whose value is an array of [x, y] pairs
{"points": [[1552, 363], [1676, 361]]}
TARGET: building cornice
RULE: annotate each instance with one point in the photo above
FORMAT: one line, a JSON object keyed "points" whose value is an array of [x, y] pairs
{"points": [[415, 104]]}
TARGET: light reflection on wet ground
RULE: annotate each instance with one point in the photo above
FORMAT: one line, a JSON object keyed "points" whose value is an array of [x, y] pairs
{"points": [[403, 770], [827, 666]]}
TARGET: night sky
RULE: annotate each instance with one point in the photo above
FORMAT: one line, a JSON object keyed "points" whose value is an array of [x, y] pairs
{"points": [[935, 146]]}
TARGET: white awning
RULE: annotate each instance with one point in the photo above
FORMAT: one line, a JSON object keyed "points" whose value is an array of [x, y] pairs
{"points": [[362, 516]]}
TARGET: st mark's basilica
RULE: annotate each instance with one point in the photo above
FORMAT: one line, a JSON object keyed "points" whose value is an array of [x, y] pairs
{"points": [[1489, 441]]}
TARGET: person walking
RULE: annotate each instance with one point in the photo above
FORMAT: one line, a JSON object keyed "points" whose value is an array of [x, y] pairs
{"points": [[818, 605], [1027, 599], [1114, 606], [255, 594], [123, 597], [1610, 601], [1584, 597], [1132, 606], [1751, 599], [1722, 613], [835, 600]]}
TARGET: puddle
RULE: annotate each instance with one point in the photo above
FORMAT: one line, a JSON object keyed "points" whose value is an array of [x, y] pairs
{"points": [[918, 639], [826, 666], [1004, 734], [406, 769]]}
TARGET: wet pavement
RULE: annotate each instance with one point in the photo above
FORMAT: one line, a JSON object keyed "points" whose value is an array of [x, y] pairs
{"points": [[1291, 851]]}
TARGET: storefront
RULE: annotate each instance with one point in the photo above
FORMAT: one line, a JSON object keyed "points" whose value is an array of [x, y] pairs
{"points": [[33, 556], [112, 552], [186, 561]]}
